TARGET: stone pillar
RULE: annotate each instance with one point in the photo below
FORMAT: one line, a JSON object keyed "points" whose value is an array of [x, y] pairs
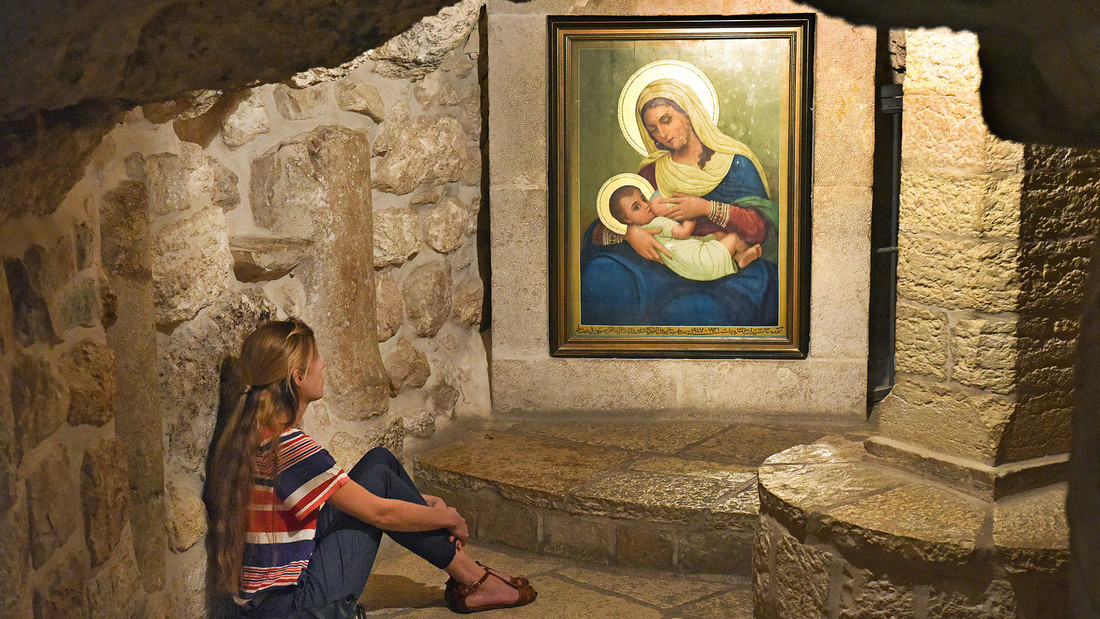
{"points": [[993, 247], [955, 506]]}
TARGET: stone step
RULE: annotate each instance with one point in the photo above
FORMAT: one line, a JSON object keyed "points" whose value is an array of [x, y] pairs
{"points": [[670, 495]]}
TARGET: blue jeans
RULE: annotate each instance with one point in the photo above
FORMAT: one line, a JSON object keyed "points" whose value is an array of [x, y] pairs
{"points": [[346, 546]]}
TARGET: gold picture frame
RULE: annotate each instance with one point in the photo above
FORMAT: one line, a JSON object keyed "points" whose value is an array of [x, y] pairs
{"points": [[713, 116]]}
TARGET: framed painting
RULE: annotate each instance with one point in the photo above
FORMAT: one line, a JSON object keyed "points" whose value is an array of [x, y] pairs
{"points": [[679, 185]]}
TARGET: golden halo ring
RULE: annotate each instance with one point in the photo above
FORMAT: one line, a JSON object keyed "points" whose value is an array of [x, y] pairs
{"points": [[689, 74], [603, 199]]}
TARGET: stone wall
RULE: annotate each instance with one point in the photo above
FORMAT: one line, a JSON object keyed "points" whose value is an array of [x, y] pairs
{"points": [[346, 196], [993, 253], [830, 384]]}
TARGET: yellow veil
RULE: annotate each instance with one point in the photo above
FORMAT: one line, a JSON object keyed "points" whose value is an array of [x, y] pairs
{"points": [[675, 177]]}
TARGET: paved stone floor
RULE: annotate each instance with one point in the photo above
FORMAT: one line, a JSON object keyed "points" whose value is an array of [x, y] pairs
{"points": [[403, 585]]}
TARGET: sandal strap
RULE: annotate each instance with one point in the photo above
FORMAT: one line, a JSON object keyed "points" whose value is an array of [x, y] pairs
{"points": [[466, 590], [513, 581]]}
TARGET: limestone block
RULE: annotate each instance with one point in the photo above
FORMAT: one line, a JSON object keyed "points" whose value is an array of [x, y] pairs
{"points": [[843, 105], [264, 258], [566, 535], [423, 47], [968, 204], [801, 578], [124, 225], [1047, 157], [715, 552], [247, 120], [15, 557], [192, 178], [468, 296], [300, 103], [390, 311], [89, 370], [396, 236], [186, 522], [515, 525], [420, 425], [424, 196], [190, 362], [1060, 204], [108, 299], [51, 495], [407, 367], [76, 304], [30, 315], [432, 91], [214, 182], [948, 133], [113, 591], [443, 397], [867, 596], [7, 323], [50, 269], [1037, 429], [38, 401], [945, 419], [427, 296], [84, 245], [1053, 274], [190, 105], [1031, 532], [959, 274], [1046, 343], [470, 114], [347, 449], [353, 95], [985, 353], [517, 66], [285, 188], [644, 547], [921, 341], [426, 150], [105, 495], [191, 265], [941, 61], [954, 598], [10, 452], [445, 227], [62, 591], [793, 493]]}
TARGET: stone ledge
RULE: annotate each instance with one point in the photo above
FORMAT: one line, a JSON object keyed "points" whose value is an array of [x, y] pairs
{"points": [[904, 538]]}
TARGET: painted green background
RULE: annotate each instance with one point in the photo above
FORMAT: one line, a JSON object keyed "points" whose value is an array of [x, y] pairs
{"points": [[749, 76]]}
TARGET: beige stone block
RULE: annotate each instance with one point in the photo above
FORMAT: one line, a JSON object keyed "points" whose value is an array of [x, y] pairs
{"points": [[841, 280], [921, 338], [958, 274], [720, 552], [61, 590], [666, 437], [1060, 204], [246, 121], [948, 133], [644, 547], [517, 68], [941, 61], [584, 539], [1047, 157], [1030, 531], [300, 103], [650, 497], [794, 493], [967, 204], [186, 514], [89, 371], [581, 385], [1053, 275], [662, 591], [105, 496], [945, 418], [1003, 211], [192, 265], [1037, 431], [865, 595], [844, 104], [51, 495], [749, 445], [801, 578], [511, 524], [985, 353]]}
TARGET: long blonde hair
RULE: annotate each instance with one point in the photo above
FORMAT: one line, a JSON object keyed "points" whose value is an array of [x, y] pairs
{"points": [[269, 357]]}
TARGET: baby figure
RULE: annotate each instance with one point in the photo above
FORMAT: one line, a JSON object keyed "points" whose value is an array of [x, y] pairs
{"points": [[701, 258]]}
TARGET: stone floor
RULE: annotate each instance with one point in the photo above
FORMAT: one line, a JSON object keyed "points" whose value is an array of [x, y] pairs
{"points": [[402, 585]]}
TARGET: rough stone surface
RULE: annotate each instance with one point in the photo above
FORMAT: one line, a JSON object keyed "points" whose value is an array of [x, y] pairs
{"points": [[663, 498], [407, 367], [985, 353], [421, 151], [353, 95], [115, 591], [445, 227], [300, 103], [420, 425], [51, 495], [261, 258], [667, 437], [191, 179], [61, 591], [191, 265], [946, 62], [190, 105], [30, 315], [423, 47], [649, 548], [390, 310], [955, 274], [38, 401], [396, 236], [801, 578], [792, 492], [347, 449], [469, 294], [1031, 532], [77, 304], [921, 341], [289, 183], [126, 249], [750, 444], [105, 494], [427, 296], [15, 560], [7, 324], [875, 598], [89, 371], [246, 121], [443, 397], [190, 360], [186, 514]]}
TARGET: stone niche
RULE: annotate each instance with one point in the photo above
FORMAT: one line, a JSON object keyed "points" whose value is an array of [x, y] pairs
{"points": [[140, 245], [828, 386]]}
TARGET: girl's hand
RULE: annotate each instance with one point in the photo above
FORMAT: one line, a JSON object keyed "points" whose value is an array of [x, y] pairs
{"points": [[433, 501], [682, 206], [460, 532], [643, 242]]}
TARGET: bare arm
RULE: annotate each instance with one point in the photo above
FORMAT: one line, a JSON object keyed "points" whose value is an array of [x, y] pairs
{"points": [[683, 230], [643, 242], [394, 515], [681, 206]]}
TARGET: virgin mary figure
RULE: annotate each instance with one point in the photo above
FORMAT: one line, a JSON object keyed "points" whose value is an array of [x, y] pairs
{"points": [[701, 173]]}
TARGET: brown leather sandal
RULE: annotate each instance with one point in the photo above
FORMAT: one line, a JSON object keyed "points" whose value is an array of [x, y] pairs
{"points": [[515, 581], [456, 593]]}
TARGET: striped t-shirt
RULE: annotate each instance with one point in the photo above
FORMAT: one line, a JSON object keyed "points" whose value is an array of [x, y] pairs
{"points": [[282, 513]]}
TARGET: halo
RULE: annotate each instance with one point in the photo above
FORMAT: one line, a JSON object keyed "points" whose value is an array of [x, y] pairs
{"points": [[689, 74], [603, 199]]}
